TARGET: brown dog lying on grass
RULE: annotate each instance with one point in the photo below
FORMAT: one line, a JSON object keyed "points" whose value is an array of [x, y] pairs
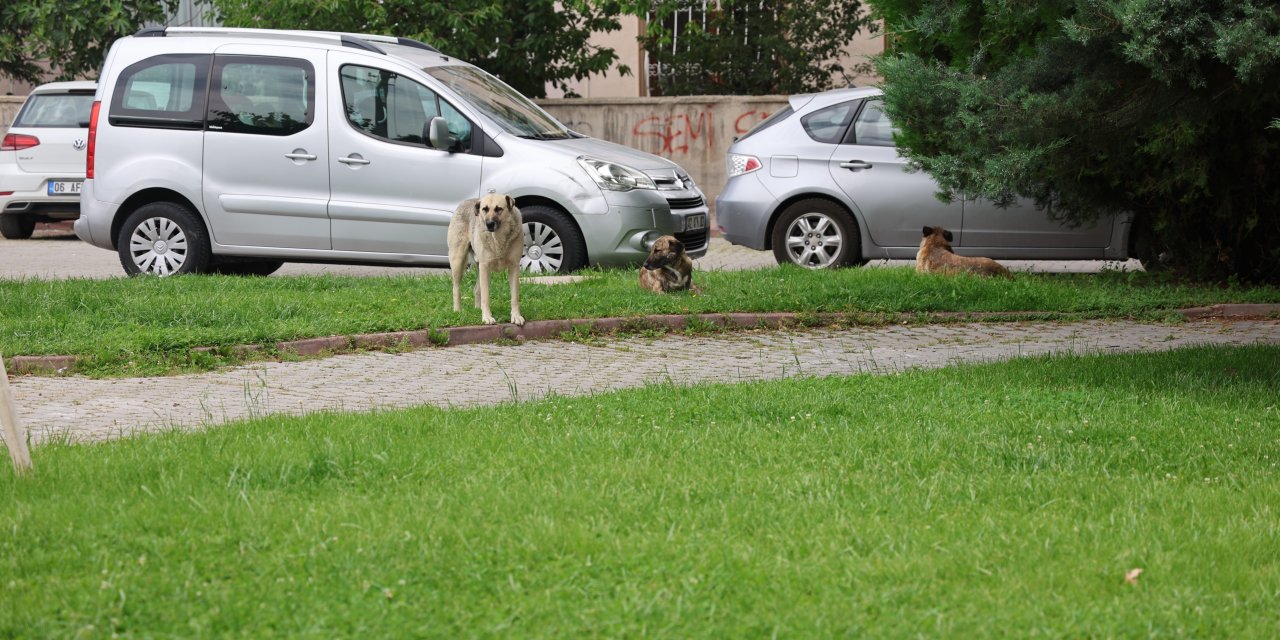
{"points": [[668, 267], [935, 256]]}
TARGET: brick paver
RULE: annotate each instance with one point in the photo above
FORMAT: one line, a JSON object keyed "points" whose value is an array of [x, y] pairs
{"points": [[85, 409]]}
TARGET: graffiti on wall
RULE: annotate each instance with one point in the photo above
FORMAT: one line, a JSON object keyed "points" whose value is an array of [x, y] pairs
{"points": [[677, 132], [686, 132]]}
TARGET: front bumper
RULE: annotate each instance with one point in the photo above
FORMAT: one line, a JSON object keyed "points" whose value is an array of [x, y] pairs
{"points": [[636, 218]]}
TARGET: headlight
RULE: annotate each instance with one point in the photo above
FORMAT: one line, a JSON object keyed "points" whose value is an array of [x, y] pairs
{"points": [[615, 177], [737, 165]]}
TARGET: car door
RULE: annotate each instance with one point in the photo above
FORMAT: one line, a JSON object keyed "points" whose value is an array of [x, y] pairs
{"points": [[1023, 230], [895, 203], [391, 192], [265, 180]]}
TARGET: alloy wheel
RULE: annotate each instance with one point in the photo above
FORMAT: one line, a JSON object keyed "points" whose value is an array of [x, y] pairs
{"points": [[814, 240]]}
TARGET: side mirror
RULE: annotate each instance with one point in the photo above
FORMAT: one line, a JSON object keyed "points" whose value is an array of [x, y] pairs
{"points": [[438, 134]]}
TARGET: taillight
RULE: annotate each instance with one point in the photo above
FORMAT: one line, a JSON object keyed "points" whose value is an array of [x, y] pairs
{"points": [[17, 141], [741, 164], [93, 138]]}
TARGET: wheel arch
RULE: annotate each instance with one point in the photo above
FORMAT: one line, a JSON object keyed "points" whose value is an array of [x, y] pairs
{"points": [[146, 197], [784, 204], [534, 200]]}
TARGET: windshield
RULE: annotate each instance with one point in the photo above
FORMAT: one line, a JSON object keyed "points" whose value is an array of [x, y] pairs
{"points": [[502, 104], [56, 110]]}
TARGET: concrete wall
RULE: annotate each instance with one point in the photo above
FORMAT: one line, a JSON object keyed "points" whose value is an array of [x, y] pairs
{"points": [[9, 106], [692, 131]]}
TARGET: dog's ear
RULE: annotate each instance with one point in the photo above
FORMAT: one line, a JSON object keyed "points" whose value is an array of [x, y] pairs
{"points": [[946, 235], [511, 204], [927, 231], [677, 246], [477, 207]]}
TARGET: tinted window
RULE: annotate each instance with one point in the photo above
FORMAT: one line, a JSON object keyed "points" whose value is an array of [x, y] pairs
{"points": [[829, 124], [872, 126], [769, 122], [56, 110], [261, 95], [165, 91], [392, 107]]}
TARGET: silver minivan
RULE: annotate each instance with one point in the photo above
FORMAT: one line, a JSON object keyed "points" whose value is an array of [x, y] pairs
{"points": [[235, 150], [821, 184]]}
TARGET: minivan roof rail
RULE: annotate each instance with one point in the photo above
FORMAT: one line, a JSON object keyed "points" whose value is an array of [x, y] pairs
{"points": [[365, 41]]}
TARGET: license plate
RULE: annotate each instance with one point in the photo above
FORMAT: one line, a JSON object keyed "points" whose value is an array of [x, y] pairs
{"points": [[65, 187], [695, 222]]}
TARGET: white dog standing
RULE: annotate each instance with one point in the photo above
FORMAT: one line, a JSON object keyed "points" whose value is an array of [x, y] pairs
{"points": [[491, 228]]}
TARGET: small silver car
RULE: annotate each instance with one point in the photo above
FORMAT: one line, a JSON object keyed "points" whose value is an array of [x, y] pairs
{"points": [[821, 183], [234, 150], [42, 158]]}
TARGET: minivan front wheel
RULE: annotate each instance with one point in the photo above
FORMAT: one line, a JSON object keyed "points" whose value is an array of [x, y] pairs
{"points": [[816, 234], [163, 239], [552, 242]]}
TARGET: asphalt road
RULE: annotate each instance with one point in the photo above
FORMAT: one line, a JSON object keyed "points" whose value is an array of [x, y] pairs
{"points": [[55, 252]]}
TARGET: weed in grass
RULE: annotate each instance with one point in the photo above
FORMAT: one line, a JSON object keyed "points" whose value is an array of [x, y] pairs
{"points": [[438, 337]]}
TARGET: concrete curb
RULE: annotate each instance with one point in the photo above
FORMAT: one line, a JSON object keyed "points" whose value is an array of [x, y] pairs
{"points": [[542, 329]]}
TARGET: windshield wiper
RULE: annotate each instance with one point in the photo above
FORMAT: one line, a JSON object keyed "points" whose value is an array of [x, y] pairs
{"points": [[545, 136]]}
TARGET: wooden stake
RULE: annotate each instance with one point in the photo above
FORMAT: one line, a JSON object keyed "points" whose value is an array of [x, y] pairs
{"points": [[14, 435]]}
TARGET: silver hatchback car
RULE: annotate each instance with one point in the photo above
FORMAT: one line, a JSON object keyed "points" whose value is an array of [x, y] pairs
{"points": [[821, 184]]}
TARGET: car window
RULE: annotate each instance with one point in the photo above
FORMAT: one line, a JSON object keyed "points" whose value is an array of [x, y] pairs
{"points": [[166, 91], [829, 123], [261, 95], [505, 106], [56, 110], [872, 127], [769, 122], [395, 108]]}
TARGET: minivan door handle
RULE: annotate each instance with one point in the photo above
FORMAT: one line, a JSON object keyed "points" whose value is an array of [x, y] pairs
{"points": [[353, 159], [299, 155], [855, 165]]}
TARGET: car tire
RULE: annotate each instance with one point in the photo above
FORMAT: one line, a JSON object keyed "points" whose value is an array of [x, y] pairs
{"points": [[816, 234], [250, 268], [15, 227], [552, 242], [163, 239]]}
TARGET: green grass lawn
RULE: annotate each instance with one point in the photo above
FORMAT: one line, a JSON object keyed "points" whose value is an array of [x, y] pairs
{"points": [[147, 325], [991, 500]]}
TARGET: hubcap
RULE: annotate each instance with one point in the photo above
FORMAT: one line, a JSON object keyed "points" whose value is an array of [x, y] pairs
{"points": [[543, 250], [814, 241], [158, 246]]}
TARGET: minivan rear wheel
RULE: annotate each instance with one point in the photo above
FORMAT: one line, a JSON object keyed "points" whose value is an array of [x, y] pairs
{"points": [[816, 234], [163, 239], [552, 242], [17, 227]]}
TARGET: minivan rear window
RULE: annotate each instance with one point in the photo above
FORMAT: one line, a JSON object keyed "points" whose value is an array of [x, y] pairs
{"points": [[56, 110], [165, 91]]}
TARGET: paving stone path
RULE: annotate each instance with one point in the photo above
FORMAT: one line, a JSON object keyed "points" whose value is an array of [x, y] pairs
{"points": [[85, 409]]}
